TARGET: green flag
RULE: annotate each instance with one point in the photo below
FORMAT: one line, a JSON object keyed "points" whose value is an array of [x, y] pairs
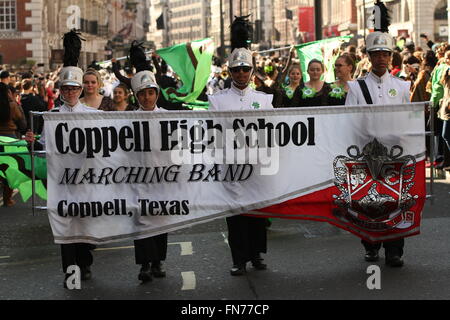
{"points": [[15, 168], [322, 50], [197, 105], [191, 61]]}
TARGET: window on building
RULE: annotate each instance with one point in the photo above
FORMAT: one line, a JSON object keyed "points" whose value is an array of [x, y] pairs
{"points": [[406, 11], [7, 15], [441, 11], [395, 9]]}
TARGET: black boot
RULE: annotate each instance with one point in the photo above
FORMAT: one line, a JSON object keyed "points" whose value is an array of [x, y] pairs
{"points": [[257, 263], [145, 275], [394, 261], [158, 270], [238, 270], [86, 273], [371, 255]]}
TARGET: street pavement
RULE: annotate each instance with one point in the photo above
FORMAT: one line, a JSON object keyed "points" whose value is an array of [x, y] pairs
{"points": [[306, 260]]}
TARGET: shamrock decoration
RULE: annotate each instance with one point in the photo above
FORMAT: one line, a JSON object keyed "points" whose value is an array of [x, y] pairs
{"points": [[392, 93], [337, 91], [308, 92], [289, 92], [256, 105]]}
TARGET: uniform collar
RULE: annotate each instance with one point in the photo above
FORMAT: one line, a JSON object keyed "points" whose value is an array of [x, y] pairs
{"points": [[381, 79], [74, 108], [140, 109], [239, 91]]}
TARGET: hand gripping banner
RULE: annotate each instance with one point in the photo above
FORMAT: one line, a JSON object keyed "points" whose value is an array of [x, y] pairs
{"points": [[122, 175]]}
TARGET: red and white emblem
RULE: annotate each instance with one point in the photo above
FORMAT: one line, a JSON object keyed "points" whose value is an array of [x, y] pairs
{"points": [[374, 187]]}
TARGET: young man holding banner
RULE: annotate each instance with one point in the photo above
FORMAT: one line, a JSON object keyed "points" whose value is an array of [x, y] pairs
{"points": [[380, 87], [247, 236], [152, 249], [71, 86]]}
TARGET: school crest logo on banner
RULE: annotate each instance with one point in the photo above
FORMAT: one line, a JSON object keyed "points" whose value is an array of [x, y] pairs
{"points": [[375, 185]]}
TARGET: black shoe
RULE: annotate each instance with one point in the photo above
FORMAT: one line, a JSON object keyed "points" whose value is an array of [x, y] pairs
{"points": [[158, 270], [145, 275], [258, 265], [86, 273], [371, 256], [237, 270], [66, 276], [394, 261]]}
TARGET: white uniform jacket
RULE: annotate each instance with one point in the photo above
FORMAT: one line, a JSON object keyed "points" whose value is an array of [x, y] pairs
{"points": [[236, 99], [79, 107], [156, 109], [385, 90]]}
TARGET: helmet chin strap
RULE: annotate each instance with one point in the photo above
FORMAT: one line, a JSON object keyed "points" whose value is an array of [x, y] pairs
{"points": [[248, 81]]}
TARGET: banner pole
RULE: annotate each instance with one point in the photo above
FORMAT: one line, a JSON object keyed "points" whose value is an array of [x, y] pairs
{"points": [[432, 147], [32, 164], [274, 50]]}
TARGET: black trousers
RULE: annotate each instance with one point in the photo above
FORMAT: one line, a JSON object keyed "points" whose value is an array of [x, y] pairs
{"points": [[247, 238], [391, 247], [152, 249], [76, 254]]}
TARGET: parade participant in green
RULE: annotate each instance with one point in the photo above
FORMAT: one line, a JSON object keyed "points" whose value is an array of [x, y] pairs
{"points": [[315, 91], [344, 69]]}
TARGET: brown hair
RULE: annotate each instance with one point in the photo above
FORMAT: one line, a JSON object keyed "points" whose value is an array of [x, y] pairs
{"points": [[91, 71], [348, 60], [124, 87], [27, 84], [295, 66], [316, 61]]}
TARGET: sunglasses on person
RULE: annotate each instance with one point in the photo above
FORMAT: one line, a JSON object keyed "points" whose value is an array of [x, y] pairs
{"points": [[71, 89], [239, 69], [338, 65]]}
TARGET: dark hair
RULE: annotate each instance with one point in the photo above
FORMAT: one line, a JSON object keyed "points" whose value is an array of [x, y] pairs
{"points": [[396, 59], [430, 59], [351, 49], [164, 67], [316, 61], [5, 108], [411, 60], [27, 84]]}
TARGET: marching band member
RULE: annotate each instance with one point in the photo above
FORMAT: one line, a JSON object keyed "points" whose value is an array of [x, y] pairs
{"points": [[247, 236], [152, 249], [380, 87], [71, 83]]}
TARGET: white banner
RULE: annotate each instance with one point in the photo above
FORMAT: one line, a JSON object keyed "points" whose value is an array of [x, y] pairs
{"points": [[129, 175]]}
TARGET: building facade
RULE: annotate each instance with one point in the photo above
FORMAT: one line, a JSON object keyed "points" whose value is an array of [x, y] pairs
{"points": [[127, 21], [410, 18], [31, 30], [287, 30], [187, 20], [339, 18]]}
